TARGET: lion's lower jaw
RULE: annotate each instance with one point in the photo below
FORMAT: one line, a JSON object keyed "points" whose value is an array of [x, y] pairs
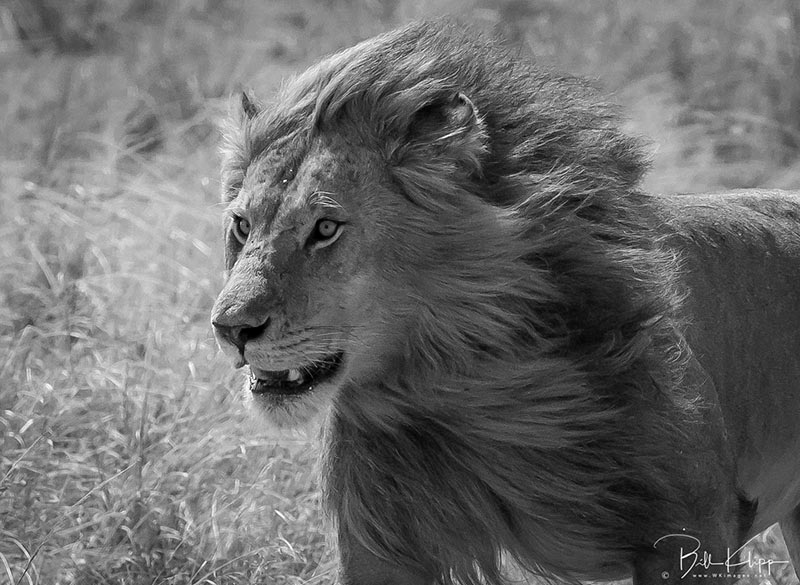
{"points": [[291, 412]]}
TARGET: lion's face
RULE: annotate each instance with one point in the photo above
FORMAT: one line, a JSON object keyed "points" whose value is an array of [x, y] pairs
{"points": [[305, 304]]}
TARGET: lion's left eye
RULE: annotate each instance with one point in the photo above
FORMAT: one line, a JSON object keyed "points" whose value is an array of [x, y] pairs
{"points": [[241, 229], [326, 228], [326, 231]]}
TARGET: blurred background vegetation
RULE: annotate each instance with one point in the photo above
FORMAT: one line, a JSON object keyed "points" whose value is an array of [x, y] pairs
{"points": [[125, 456]]}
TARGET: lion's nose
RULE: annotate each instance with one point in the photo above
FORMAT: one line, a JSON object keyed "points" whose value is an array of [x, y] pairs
{"points": [[239, 335]]}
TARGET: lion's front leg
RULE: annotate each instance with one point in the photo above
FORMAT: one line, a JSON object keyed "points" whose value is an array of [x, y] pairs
{"points": [[358, 566]]}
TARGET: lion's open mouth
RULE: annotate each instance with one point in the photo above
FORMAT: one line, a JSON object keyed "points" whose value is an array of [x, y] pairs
{"points": [[295, 381]]}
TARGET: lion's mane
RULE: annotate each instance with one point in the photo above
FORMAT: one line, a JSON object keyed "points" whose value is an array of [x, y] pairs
{"points": [[535, 408]]}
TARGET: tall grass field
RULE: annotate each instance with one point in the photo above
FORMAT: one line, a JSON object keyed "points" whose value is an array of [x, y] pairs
{"points": [[126, 456]]}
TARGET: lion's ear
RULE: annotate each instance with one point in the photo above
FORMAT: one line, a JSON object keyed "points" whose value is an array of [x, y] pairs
{"points": [[451, 128], [250, 106]]}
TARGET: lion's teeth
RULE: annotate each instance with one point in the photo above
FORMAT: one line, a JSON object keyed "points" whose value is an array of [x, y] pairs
{"points": [[293, 375]]}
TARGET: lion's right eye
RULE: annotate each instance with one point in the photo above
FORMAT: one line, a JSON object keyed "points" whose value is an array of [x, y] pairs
{"points": [[241, 229]]}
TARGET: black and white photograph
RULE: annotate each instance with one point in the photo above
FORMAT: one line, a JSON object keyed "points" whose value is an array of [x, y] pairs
{"points": [[399, 292]]}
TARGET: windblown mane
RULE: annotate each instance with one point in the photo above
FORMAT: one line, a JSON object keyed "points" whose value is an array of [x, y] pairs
{"points": [[529, 411]]}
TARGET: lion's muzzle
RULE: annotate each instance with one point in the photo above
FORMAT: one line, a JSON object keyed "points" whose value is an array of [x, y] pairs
{"points": [[283, 364]]}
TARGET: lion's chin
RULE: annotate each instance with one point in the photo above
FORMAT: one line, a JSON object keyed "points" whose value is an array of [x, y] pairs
{"points": [[289, 403], [303, 412]]}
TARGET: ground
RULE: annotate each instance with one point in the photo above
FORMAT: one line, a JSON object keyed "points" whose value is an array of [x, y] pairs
{"points": [[125, 454]]}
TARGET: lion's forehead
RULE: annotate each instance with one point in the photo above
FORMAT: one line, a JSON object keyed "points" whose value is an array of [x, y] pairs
{"points": [[327, 167], [273, 168]]}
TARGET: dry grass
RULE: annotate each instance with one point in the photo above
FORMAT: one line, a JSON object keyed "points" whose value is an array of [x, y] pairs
{"points": [[126, 456]]}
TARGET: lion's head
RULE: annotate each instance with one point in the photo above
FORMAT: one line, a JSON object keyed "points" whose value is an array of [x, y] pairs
{"points": [[375, 216], [446, 244], [309, 290]]}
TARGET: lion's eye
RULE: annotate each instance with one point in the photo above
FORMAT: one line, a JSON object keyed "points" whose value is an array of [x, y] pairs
{"points": [[326, 228], [241, 229], [326, 231]]}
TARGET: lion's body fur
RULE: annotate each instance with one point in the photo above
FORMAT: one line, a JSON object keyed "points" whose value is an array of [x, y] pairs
{"points": [[548, 401], [741, 262]]}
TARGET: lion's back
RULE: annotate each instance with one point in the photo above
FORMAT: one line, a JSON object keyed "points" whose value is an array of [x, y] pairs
{"points": [[757, 218]]}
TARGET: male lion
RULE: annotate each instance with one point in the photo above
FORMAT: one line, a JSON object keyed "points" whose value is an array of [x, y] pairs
{"points": [[443, 252]]}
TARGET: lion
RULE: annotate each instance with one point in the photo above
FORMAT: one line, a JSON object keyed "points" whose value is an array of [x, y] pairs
{"points": [[441, 255]]}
